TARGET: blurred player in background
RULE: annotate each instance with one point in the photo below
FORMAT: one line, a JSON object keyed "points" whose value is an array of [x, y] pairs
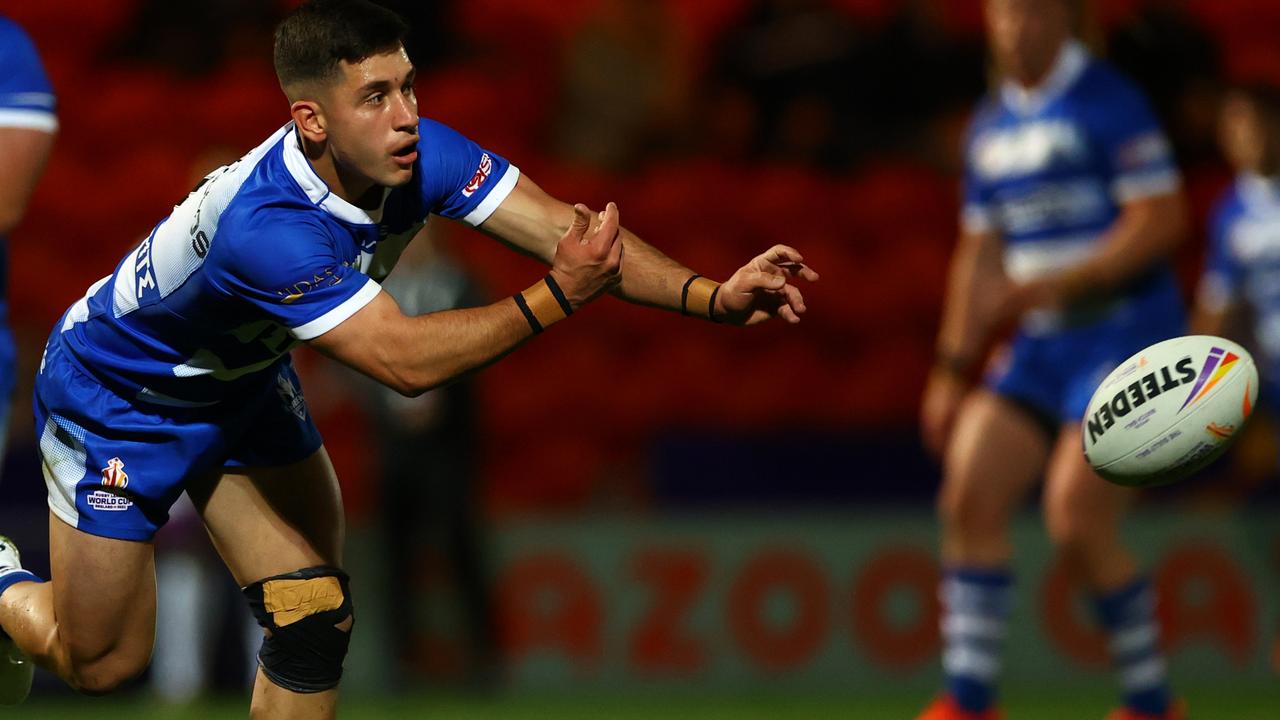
{"points": [[27, 128], [1239, 292], [173, 372], [1071, 209]]}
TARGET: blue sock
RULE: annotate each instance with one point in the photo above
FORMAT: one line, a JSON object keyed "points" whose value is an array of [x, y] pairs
{"points": [[1129, 617], [976, 606]]}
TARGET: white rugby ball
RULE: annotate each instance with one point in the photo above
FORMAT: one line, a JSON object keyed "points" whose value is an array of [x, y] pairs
{"points": [[1169, 410]]}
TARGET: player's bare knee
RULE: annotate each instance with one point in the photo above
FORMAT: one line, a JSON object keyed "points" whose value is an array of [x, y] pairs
{"points": [[1075, 532], [107, 673], [307, 617], [969, 513]]}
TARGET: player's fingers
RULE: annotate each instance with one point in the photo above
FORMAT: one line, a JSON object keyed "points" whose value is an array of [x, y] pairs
{"points": [[779, 254], [800, 270], [794, 299], [578, 228], [786, 313], [607, 232]]}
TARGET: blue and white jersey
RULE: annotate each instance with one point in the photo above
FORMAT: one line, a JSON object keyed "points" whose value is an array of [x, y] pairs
{"points": [[258, 258], [1243, 262], [26, 101], [26, 97], [1049, 169]]}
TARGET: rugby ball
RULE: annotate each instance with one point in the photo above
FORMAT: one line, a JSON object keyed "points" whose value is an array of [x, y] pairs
{"points": [[1169, 410]]}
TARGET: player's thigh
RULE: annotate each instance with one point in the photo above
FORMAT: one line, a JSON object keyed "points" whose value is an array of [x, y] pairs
{"points": [[997, 452], [105, 596], [274, 520], [1079, 506]]}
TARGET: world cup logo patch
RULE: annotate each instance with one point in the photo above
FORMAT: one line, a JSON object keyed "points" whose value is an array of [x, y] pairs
{"points": [[113, 475], [114, 480]]}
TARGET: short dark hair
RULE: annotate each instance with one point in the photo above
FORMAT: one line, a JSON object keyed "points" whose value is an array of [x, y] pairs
{"points": [[315, 37]]}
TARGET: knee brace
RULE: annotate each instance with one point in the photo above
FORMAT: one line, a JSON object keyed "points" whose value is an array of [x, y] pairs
{"points": [[301, 612]]}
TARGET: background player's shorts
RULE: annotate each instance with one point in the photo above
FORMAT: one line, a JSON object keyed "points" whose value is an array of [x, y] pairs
{"points": [[1054, 376], [114, 467]]}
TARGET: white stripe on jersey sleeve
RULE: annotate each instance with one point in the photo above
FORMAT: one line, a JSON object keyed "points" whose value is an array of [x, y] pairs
{"points": [[41, 120], [1138, 186], [336, 316], [494, 198]]}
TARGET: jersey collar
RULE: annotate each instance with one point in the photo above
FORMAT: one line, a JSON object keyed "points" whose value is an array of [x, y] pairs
{"points": [[1067, 68], [316, 189]]}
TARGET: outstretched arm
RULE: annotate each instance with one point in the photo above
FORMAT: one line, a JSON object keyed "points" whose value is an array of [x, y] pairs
{"points": [[413, 354], [25, 150], [530, 220]]}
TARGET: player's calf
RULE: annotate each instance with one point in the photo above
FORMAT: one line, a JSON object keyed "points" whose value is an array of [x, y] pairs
{"points": [[307, 616]]}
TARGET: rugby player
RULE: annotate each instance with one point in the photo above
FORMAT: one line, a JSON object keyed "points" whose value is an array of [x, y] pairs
{"points": [[1238, 294], [1072, 206], [172, 373]]}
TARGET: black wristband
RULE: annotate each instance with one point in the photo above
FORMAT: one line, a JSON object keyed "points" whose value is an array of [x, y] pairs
{"points": [[684, 294], [711, 307], [528, 314], [559, 295]]}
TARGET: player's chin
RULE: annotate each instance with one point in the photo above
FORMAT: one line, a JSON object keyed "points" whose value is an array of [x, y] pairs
{"points": [[397, 175]]}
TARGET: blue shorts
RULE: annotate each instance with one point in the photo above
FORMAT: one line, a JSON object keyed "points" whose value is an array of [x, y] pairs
{"points": [[114, 466], [1055, 375]]}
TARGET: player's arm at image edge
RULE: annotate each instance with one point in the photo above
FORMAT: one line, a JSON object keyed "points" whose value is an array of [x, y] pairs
{"points": [[25, 152]]}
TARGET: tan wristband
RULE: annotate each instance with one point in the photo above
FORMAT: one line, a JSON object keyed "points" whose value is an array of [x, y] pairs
{"points": [[698, 297], [543, 304]]}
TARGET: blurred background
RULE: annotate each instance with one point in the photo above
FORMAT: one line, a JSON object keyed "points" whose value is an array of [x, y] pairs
{"points": [[639, 505]]}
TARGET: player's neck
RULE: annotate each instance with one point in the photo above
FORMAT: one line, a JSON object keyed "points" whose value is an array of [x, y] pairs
{"points": [[1033, 78], [355, 189]]}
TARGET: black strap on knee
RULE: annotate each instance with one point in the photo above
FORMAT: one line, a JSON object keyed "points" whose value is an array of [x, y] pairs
{"points": [[301, 611]]}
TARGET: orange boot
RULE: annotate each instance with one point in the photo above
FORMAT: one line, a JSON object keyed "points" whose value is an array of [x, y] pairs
{"points": [[1177, 711], [944, 708]]}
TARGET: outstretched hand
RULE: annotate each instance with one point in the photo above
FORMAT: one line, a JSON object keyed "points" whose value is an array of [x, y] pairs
{"points": [[588, 259], [761, 289]]}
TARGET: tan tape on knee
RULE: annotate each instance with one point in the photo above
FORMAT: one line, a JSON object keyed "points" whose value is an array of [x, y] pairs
{"points": [[290, 600]]}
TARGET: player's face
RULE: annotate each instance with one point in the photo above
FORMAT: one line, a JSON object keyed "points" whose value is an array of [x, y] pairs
{"points": [[1242, 134], [371, 118], [1026, 35]]}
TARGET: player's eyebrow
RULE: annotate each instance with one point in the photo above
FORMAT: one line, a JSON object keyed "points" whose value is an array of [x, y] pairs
{"points": [[374, 85], [385, 84]]}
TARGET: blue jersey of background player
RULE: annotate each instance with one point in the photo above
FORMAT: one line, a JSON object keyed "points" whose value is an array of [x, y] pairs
{"points": [[27, 127], [1241, 276], [171, 373], [1049, 170], [1071, 207]]}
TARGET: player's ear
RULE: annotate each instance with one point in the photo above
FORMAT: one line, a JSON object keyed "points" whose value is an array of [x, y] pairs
{"points": [[309, 120]]}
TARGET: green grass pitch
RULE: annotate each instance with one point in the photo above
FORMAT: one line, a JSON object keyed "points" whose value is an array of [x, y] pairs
{"points": [[1252, 703]]}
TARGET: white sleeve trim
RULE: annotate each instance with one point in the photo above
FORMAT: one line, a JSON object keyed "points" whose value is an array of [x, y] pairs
{"points": [[28, 119], [495, 197], [336, 316], [1136, 186]]}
